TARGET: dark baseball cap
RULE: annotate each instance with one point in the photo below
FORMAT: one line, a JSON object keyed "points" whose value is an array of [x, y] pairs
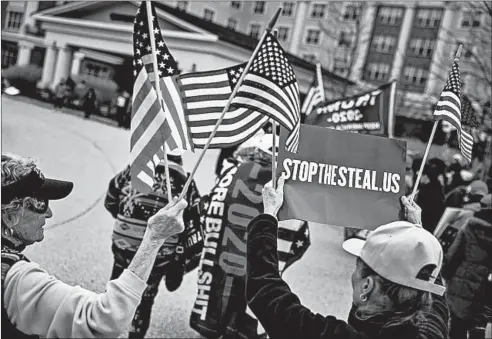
{"points": [[35, 185]]}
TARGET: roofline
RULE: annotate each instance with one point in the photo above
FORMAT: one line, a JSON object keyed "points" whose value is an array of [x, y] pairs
{"points": [[63, 8], [122, 27]]}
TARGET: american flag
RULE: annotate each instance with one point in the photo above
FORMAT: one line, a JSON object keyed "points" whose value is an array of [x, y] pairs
{"points": [[449, 108], [204, 96], [153, 124], [270, 87], [313, 98], [293, 241]]}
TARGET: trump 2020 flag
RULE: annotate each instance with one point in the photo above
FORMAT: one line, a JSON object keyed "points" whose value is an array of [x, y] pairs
{"points": [[270, 87]]}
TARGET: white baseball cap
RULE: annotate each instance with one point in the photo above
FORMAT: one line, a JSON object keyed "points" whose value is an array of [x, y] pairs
{"points": [[398, 251]]}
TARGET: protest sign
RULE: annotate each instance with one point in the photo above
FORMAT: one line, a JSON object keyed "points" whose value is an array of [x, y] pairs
{"points": [[371, 112], [340, 178], [220, 304], [452, 220]]}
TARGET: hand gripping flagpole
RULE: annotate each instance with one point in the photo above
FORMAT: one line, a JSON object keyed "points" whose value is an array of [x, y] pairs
{"points": [[233, 94], [426, 154], [158, 90], [274, 142]]}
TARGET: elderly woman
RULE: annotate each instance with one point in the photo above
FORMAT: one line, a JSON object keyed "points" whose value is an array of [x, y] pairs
{"points": [[36, 303], [392, 284]]}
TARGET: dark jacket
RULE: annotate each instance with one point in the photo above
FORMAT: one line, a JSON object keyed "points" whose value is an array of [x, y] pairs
{"points": [[431, 198], [283, 316], [467, 263]]}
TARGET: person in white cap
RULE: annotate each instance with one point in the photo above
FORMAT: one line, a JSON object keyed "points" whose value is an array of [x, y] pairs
{"points": [[395, 291]]}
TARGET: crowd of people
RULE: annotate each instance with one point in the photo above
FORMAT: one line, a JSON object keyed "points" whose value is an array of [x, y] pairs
{"points": [[67, 91], [404, 285]]}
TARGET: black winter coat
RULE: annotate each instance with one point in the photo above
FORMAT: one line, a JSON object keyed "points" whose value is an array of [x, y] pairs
{"points": [[467, 263]]}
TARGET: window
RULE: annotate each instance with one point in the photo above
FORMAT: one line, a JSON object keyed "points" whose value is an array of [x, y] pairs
{"points": [[259, 7], [254, 30], [470, 19], [310, 57], [9, 54], [414, 76], [377, 71], [384, 43], [429, 18], [208, 14], [313, 37], [283, 33], [318, 11], [351, 13], [288, 9], [390, 15], [341, 63], [236, 4], [345, 39], [14, 20], [232, 24], [96, 69], [182, 5], [422, 47]]}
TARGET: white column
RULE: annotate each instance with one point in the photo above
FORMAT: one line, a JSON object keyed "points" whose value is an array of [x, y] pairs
{"points": [[366, 23], [77, 60], [405, 31], [62, 69], [24, 56], [48, 66], [444, 51], [298, 27]]}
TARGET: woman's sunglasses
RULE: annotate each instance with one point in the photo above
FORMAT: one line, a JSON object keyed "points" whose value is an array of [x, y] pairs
{"points": [[38, 206]]}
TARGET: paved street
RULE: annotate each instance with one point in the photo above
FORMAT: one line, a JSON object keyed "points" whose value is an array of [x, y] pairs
{"points": [[76, 248]]}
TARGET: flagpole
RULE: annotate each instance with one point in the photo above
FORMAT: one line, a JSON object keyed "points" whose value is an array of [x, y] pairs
{"points": [[427, 149], [233, 94], [274, 142], [158, 90], [320, 81]]}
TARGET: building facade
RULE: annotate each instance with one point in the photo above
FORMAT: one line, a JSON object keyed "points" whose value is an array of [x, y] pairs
{"points": [[374, 42], [94, 40]]}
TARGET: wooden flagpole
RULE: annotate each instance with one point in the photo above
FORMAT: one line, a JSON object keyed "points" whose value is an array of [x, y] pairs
{"points": [[427, 149], [233, 94], [274, 141], [158, 90]]}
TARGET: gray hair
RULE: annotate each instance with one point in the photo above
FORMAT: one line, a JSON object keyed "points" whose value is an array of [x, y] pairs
{"points": [[15, 167]]}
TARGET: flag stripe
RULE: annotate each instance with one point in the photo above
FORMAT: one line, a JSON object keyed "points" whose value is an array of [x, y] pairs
{"points": [[222, 139], [277, 97]]}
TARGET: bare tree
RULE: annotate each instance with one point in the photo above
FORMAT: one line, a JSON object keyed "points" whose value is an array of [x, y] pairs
{"points": [[343, 28]]}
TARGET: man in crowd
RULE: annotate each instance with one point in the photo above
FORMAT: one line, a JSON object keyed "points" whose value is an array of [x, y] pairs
{"points": [[467, 267], [468, 195], [131, 210]]}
